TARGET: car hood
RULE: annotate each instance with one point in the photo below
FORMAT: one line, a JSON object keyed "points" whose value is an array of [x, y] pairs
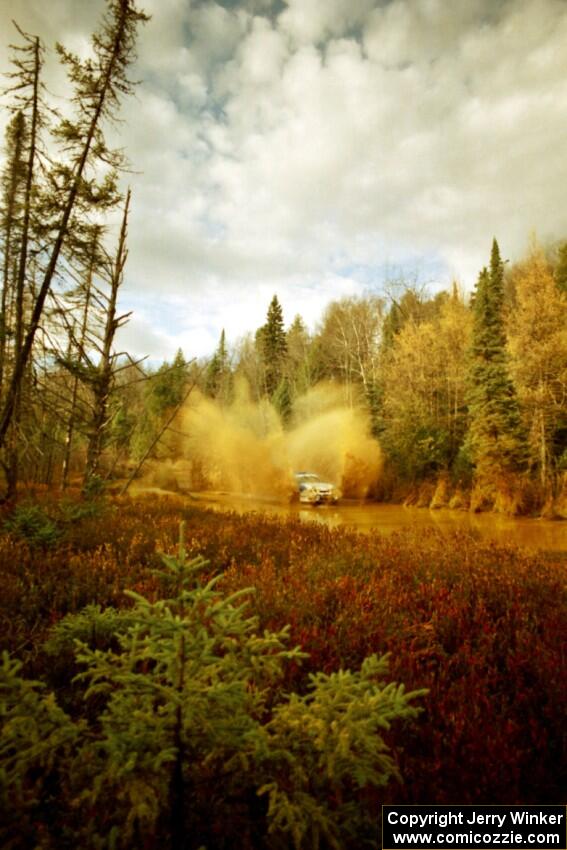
{"points": [[317, 485]]}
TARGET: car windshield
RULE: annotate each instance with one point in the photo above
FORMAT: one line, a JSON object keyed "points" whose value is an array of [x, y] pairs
{"points": [[307, 476]]}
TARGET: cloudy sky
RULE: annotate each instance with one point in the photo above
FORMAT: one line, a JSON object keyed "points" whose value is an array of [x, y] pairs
{"points": [[316, 148]]}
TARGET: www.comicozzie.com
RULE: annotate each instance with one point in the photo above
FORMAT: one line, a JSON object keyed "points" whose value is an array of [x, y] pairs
{"points": [[481, 827]]}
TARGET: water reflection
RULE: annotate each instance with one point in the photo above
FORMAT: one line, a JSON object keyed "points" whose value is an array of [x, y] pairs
{"points": [[531, 533]]}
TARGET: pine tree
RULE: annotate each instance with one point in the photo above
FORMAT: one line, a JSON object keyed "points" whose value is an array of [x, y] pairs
{"points": [[282, 400], [299, 356], [391, 326], [38, 737], [167, 389], [217, 377], [496, 438], [164, 395], [271, 340], [184, 727]]}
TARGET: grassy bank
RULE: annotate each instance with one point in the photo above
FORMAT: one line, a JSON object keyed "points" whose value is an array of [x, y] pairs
{"points": [[481, 626]]}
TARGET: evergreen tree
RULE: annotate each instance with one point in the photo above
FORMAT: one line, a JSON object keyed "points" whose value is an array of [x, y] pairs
{"points": [[299, 372], [282, 400], [393, 323], [167, 390], [271, 341], [496, 437], [163, 394], [218, 375], [185, 729]]}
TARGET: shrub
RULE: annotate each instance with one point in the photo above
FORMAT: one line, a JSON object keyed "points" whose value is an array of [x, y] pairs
{"points": [[32, 524], [474, 622], [93, 487], [75, 511], [37, 739]]}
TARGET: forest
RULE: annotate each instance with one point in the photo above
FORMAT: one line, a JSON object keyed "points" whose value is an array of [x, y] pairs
{"points": [[175, 677], [465, 394]]}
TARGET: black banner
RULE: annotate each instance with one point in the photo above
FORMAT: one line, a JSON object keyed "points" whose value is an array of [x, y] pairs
{"points": [[481, 827]]}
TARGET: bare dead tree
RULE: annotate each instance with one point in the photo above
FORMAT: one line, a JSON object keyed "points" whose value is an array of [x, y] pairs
{"points": [[103, 378], [81, 345]]}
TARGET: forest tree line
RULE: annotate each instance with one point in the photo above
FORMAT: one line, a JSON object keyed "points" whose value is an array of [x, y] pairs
{"points": [[466, 390], [469, 391]]}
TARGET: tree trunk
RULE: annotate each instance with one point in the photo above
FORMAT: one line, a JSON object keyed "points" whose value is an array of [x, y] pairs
{"points": [[177, 784], [10, 215], [13, 458], [103, 380], [82, 341]]}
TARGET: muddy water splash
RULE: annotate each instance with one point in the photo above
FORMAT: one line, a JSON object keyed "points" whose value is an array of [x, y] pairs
{"points": [[244, 448]]}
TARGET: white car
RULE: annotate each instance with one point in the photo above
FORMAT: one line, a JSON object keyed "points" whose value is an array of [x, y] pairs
{"points": [[313, 491]]}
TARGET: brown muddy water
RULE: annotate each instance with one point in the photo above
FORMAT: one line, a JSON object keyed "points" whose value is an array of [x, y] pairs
{"points": [[365, 516]]}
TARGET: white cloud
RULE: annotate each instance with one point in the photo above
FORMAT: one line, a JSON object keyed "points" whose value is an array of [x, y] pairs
{"points": [[301, 152], [308, 21]]}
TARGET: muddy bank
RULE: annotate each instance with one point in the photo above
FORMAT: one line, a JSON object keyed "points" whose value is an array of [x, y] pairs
{"points": [[513, 497]]}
